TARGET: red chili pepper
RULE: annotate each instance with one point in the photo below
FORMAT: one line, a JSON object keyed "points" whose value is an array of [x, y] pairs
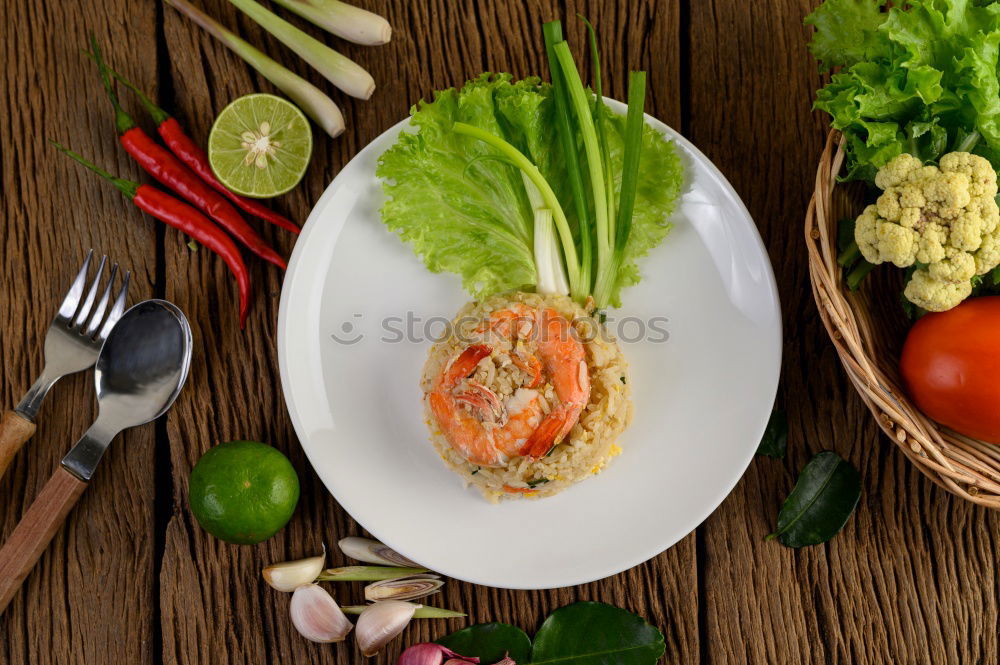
{"points": [[189, 152], [158, 162], [183, 217]]}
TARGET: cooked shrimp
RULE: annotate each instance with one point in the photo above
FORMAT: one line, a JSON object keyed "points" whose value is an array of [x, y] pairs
{"points": [[563, 357], [488, 431]]}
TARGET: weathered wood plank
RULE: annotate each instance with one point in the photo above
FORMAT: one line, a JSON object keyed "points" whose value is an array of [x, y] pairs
{"points": [[213, 604], [90, 599], [912, 579]]}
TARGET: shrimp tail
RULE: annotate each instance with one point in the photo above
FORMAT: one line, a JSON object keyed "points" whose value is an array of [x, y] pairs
{"points": [[530, 364], [464, 365], [546, 435]]}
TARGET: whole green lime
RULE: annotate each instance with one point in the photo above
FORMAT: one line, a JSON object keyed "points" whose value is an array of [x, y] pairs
{"points": [[243, 491]]}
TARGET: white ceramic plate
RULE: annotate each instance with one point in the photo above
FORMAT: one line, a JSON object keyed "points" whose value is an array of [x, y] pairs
{"points": [[702, 397]]}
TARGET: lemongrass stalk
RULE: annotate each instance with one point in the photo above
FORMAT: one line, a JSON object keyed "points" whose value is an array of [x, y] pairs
{"points": [[338, 69], [423, 612], [367, 573], [308, 97], [592, 149], [518, 159], [346, 21], [567, 138]]}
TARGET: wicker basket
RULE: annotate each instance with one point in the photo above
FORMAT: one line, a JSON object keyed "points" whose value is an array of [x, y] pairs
{"points": [[869, 346]]}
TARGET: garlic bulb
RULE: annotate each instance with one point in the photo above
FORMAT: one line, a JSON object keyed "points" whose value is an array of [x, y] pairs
{"points": [[290, 575], [371, 551], [381, 622], [403, 588], [316, 615]]}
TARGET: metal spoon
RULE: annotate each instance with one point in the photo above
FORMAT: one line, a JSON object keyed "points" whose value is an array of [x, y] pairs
{"points": [[139, 373]]}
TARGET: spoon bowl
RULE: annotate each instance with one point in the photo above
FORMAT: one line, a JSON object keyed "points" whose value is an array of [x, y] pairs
{"points": [[143, 364], [139, 373]]}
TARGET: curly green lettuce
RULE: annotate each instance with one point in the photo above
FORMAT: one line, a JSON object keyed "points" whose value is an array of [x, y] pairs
{"points": [[919, 78], [463, 208]]}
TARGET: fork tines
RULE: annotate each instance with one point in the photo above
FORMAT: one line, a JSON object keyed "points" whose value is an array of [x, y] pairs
{"points": [[77, 311]]}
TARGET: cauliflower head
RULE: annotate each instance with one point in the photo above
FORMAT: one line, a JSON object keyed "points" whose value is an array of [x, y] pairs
{"points": [[944, 219]]}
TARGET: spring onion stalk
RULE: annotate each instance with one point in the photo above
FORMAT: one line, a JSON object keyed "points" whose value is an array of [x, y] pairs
{"points": [[560, 283], [567, 139], [551, 276], [340, 70], [602, 139], [607, 275], [549, 198], [367, 573], [308, 97], [423, 612], [546, 263], [592, 149], [346, 21]]}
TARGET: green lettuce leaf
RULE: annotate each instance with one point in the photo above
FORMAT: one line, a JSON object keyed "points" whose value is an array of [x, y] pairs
{"points": [[463, 208], [847, 32], [460, 207], [917, 78]]}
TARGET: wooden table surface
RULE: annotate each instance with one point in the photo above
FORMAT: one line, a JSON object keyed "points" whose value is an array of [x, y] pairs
{"points": [[132, 579]]}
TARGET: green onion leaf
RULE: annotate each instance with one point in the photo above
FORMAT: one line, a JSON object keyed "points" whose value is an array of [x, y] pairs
{"points": [[592, 149], [602, 139], [607, 275], [566, 134]]}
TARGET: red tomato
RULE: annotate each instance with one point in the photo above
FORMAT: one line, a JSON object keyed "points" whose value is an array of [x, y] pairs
{"points": [[951, 367]]}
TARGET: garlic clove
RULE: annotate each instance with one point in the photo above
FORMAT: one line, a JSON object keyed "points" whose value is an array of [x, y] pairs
{"points": [[381, 622], [316, 615], [507, 660], [372, 551], [428, 653], [403, 588], [290, 575]]}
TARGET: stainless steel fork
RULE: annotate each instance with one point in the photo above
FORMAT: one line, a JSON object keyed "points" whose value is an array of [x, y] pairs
{"points": [[72, 343]]}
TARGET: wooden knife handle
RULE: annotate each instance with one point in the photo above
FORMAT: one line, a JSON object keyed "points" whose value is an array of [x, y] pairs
{"points": [[15, 429], [35, 530]]}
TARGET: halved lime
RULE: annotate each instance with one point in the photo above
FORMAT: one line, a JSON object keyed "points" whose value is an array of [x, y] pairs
{"points": [[260, 146]]}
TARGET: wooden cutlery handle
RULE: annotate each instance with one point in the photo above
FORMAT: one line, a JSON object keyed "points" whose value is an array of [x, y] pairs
{"points": [[35, 530], [15, 429]]}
